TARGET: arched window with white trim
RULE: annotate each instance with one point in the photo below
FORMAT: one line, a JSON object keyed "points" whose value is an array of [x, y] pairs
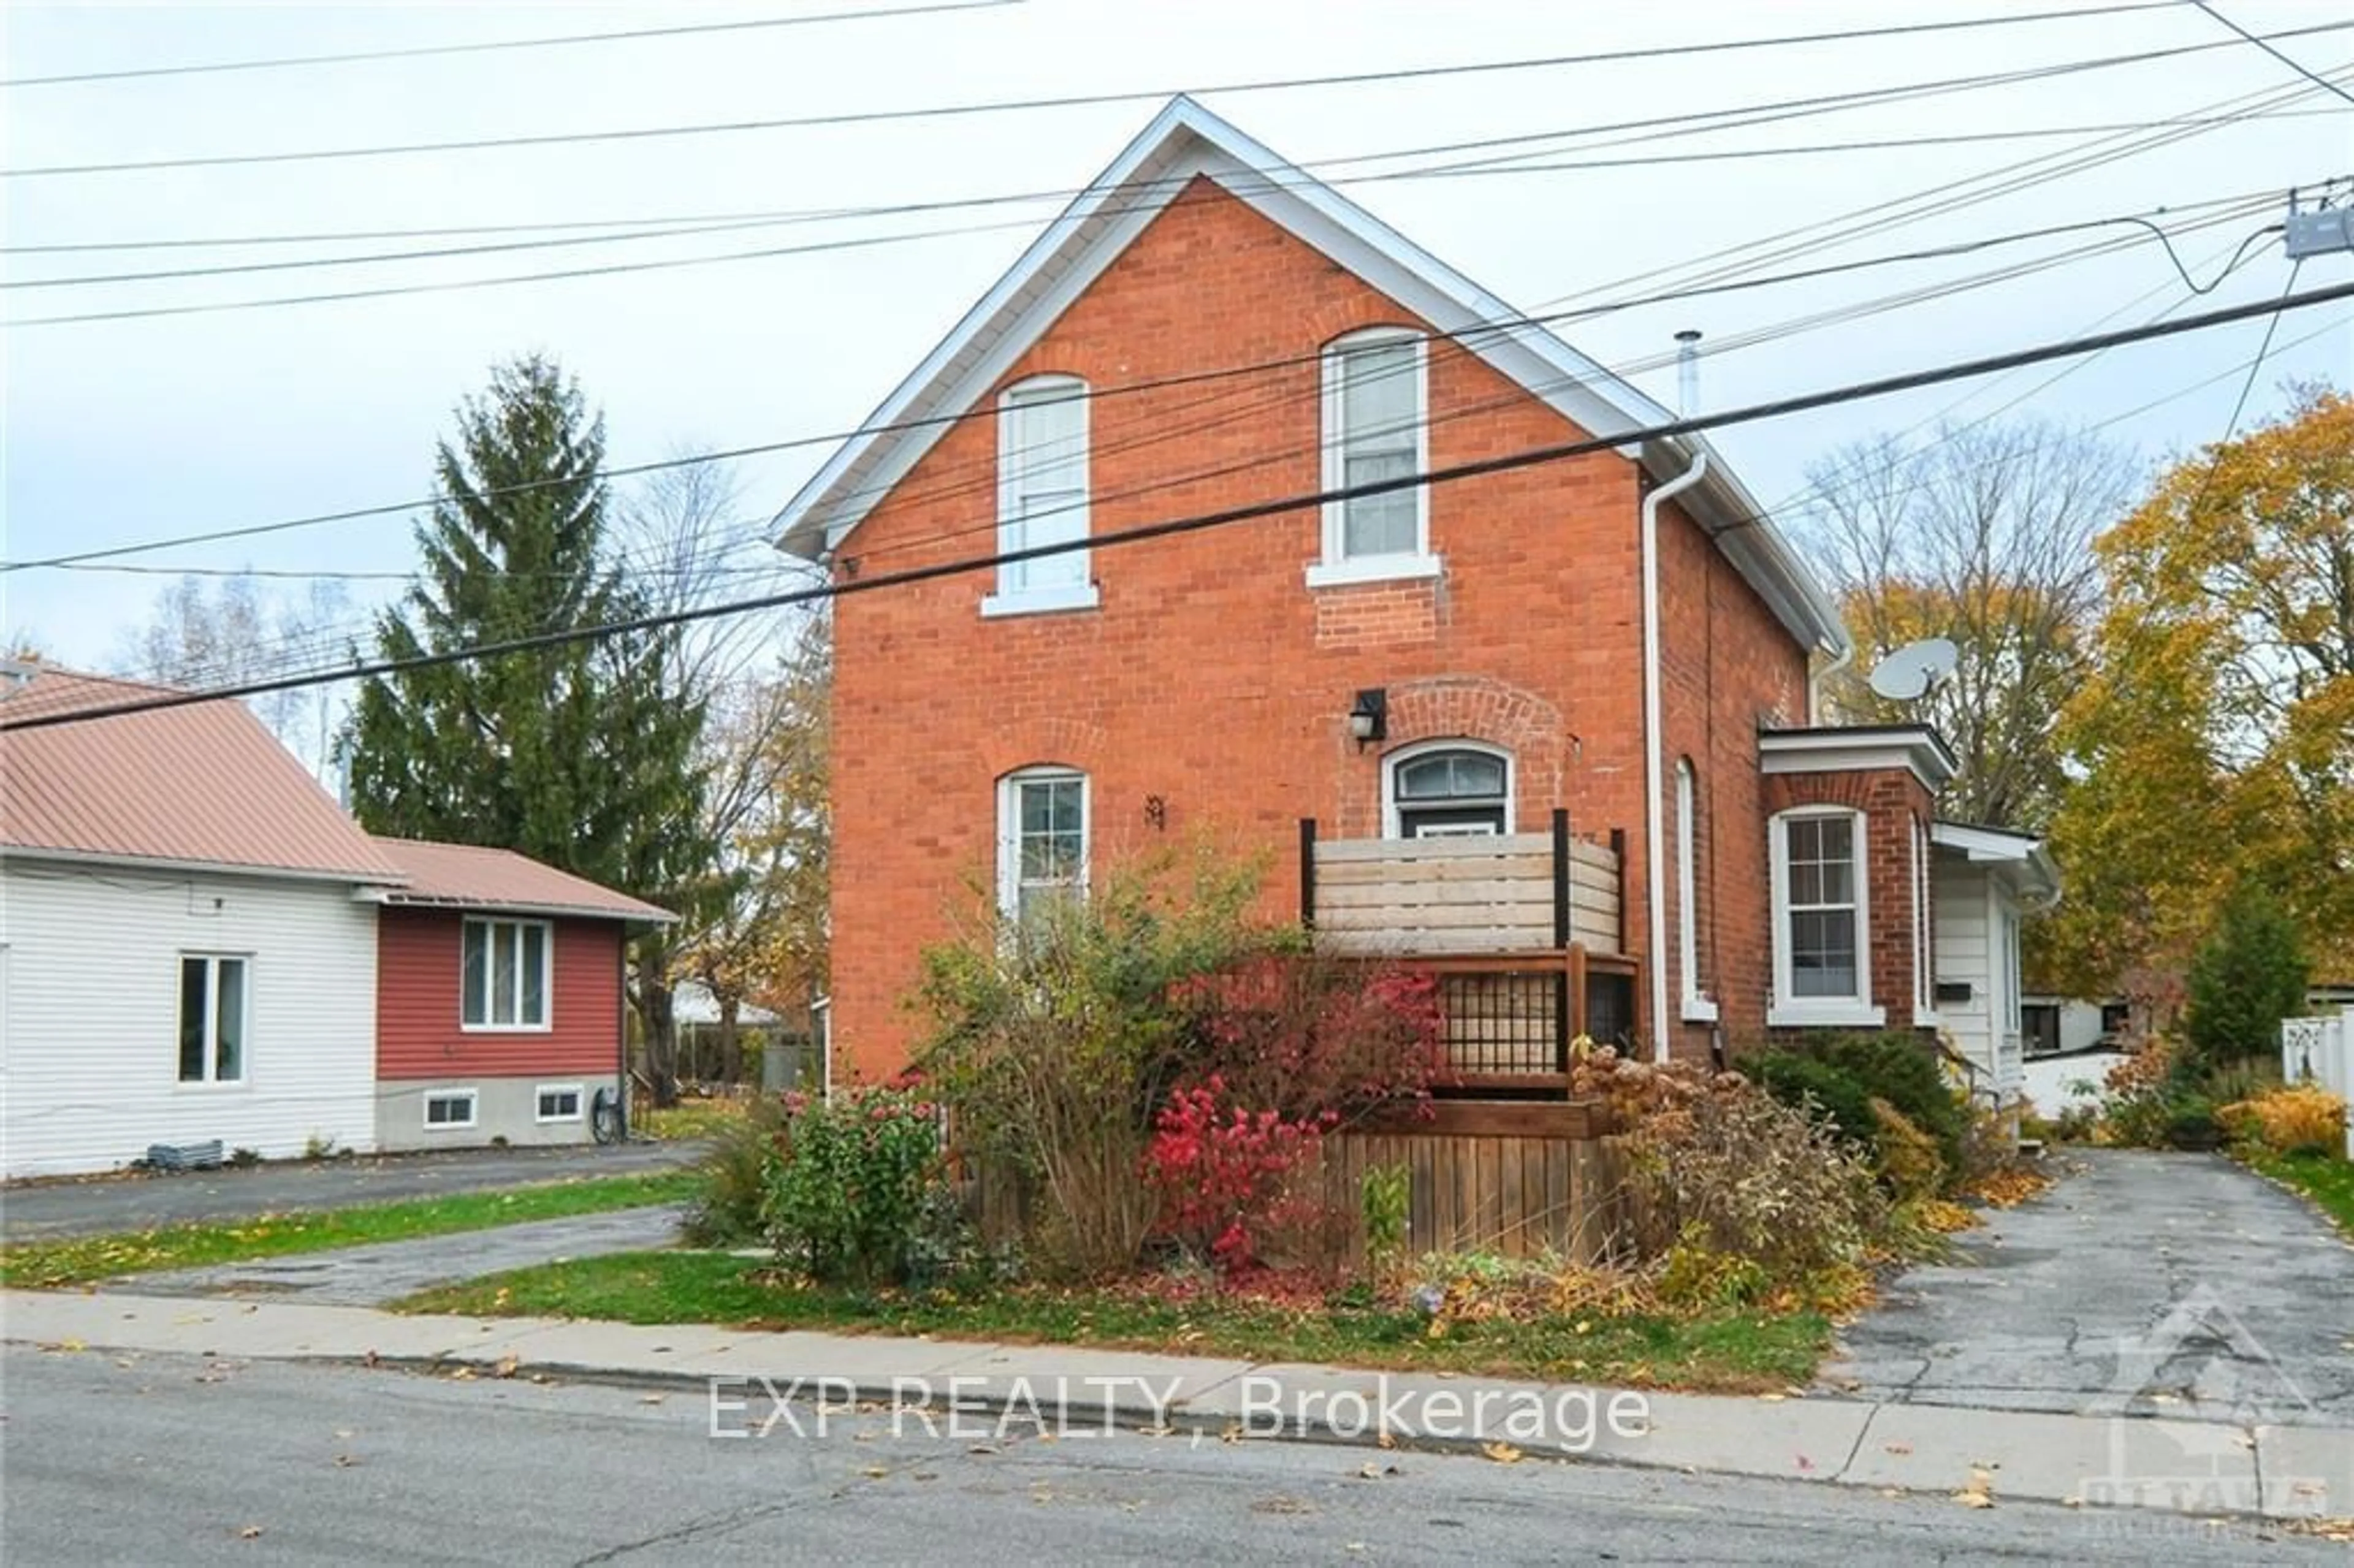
{"points": [[1376, 422], [1041, 494], [1696, 1006], [1042, 839], [1447, 789]]}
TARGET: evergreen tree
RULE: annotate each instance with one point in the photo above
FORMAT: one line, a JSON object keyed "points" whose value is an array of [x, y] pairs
{"points": [[2247, 975], [579, 754]]}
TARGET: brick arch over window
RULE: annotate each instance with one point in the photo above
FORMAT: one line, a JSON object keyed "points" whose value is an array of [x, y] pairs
{"points": [[1459, 707], [1064, 742]]}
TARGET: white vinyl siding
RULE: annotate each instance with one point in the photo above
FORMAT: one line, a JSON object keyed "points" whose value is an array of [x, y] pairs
{"points": [[1042, 839], [1821, 920], [505, 974], [1976, 932], [93, 1070], [1042, 496], [1377, 428]]}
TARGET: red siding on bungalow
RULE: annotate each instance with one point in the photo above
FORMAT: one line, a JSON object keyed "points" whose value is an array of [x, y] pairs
{"points": [[418, 1031]]}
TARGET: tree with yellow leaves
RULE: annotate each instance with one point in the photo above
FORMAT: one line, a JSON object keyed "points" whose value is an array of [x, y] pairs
{"points": [[2215, 739]]}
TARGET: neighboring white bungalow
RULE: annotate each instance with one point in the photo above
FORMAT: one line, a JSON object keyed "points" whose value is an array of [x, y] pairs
{"points": [[182, 955], [1985, 881]]}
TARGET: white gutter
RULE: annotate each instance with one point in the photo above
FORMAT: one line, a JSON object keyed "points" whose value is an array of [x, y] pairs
{"points": [[1815, 683], [1655, 832]]}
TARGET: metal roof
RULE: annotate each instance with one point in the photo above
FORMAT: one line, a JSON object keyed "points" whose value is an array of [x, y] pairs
{"points": [[468, 876], [203, 787]]}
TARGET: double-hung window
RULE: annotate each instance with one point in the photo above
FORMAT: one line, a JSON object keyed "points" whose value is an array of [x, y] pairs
{"points": [[505, 974], [1042, 496], [1376, 421], [1042, 837], [1822, 954], [213, 1014]]}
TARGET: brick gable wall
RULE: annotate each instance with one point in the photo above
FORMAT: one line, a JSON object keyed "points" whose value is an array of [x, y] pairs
{"points": [[1211, 680]]}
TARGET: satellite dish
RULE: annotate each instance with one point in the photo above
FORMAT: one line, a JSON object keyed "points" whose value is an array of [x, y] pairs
{"points": [[1914, 670]]}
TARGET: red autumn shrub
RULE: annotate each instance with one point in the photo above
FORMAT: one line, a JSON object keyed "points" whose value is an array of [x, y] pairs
{"points": [[1224, 1171], [1309, 1037]]}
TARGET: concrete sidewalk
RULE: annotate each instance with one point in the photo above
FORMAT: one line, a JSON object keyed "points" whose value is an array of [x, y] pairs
{"points": [[2201, 1469]]}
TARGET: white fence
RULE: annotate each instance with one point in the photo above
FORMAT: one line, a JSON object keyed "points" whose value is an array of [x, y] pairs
{"points": [[2322, 1049]]}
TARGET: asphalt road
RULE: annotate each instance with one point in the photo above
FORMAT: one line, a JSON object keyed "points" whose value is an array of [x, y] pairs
{"points": [[2176, 1285], [136, 1202], [183, 1460]]}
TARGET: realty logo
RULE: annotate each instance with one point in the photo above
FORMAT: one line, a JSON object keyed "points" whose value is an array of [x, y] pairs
{"points": [[2200, 1358]]}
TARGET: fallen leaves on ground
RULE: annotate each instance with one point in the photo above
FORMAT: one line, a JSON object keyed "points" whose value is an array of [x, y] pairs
{"points": [[1501, 1452], [1979, 1493], [2009, 1187]]}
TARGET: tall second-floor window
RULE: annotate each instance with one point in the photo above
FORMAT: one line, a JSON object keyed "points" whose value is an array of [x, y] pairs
{"points": [[1375, 415], [1042, 493]]}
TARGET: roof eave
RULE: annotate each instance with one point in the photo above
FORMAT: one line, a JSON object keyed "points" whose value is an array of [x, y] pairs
{"points": [[356, 876], [646, 916]]}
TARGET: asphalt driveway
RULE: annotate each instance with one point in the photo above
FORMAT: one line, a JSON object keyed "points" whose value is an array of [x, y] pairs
{"points": [[2178, 1285], [136, 1202]]}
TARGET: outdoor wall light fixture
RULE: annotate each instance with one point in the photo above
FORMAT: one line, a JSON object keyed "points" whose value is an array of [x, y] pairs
{"points": [[1369, 717]]}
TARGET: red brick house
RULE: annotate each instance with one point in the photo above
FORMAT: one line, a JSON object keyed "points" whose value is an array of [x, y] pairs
{"points": [[1550, 727], [499, 998]]}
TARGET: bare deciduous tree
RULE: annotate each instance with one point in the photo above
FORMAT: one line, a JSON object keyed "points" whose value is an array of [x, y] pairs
{"points": [[229, 631], [1983, 535], [685, 546]]}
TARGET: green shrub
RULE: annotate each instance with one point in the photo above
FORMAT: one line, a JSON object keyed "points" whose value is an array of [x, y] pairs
{"points": [[856, 1189], [735, 1176], [1902, 1070], [2192, 1122], [2248, 975], [1812, 1084]]}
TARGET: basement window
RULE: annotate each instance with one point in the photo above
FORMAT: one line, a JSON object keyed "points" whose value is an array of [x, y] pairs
{"points": [[559, 1102], [449, 1110]]}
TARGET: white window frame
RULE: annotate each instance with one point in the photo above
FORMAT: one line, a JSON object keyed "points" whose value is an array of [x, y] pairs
{"points": [[1393, 825], [547, 975], [1009, 831], [1013, 595], [1338, 568], [1924, 931], [1788, 1010], [473, 1098], [1697, 1007], [213, 962], [539, 1109]]}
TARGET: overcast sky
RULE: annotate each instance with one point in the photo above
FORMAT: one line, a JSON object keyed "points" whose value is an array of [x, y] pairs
{"points": [[129, 430]]}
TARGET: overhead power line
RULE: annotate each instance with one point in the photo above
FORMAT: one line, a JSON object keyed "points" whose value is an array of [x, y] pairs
{"points": [[1097, 100], [2265, 45], [688, 227], [496, 46], [1092, 394], [1532, 457]]}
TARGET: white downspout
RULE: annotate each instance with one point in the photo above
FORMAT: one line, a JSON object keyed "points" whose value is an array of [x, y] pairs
{"points": [[1655, 832]]}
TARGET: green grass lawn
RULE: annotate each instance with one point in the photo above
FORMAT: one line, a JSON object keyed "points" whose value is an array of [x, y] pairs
{"points": [[83, 1260], [1733, 1352], [2328, 1180]]}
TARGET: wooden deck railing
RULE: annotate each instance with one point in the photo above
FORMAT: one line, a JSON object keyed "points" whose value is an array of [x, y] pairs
{"points": [[1510, 893]]}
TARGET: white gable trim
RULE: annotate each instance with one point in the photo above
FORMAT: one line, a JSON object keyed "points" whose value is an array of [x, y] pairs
{"points": [[1185, 140]]}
